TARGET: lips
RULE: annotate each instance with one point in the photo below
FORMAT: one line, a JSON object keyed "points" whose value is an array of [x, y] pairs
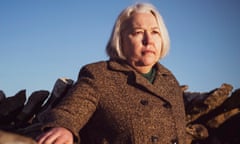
{"points": [[148, 51]]}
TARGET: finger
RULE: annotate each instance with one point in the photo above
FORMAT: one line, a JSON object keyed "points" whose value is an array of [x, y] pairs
{"points": [[51, 139], [41, 138], [48, 138], [62, 140]]}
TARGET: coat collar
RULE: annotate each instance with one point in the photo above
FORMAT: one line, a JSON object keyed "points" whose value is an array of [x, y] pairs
{"points": [[121, 65], [158, 88]]}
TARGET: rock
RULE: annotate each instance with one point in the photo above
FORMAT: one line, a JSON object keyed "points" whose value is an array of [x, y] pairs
{"points": [[2, 95], [209, 101], [184, 88], [221, 118], [227, 133], [11, 106], [217, 116], [32, 107], [59, 91], [233, 101], [196, 132]]}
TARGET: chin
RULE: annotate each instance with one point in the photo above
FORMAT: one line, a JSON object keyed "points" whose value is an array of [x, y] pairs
{"points": [[149, 61]]}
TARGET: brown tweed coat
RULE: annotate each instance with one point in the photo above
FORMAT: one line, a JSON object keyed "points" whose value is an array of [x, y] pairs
{"points": [[111, 103]]}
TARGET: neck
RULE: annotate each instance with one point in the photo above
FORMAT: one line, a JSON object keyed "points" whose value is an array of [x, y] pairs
{"points": [[143, 69]]}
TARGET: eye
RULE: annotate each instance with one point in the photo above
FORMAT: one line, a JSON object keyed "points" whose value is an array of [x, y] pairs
{"points": [[155, 32], [138, 32]]}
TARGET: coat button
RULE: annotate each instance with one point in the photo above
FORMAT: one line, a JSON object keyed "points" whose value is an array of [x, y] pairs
{"points": [[167, 105], [154, 139], [174, 141], [144, 102]]}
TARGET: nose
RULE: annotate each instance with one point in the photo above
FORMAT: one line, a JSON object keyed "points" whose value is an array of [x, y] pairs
{"points": [[147, 38]]}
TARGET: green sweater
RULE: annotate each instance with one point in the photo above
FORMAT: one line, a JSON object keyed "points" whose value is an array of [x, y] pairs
{"points": [[150, 75]]}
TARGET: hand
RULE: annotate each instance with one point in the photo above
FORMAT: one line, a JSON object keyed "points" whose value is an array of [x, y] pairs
{"points": [[58, 135]]}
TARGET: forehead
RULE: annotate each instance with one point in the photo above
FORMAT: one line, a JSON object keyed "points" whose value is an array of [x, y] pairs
{"points": [[142, 20]]}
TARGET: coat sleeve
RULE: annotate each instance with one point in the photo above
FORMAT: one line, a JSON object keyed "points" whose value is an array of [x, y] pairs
{"points": [[74, 111]]}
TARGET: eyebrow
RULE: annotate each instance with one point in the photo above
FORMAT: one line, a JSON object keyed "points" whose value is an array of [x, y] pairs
{"points": [[143, 28]]}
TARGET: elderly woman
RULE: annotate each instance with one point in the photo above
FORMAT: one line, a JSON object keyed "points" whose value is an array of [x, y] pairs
{"points": [[129, 99]]}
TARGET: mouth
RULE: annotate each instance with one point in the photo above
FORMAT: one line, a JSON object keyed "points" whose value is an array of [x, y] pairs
{"points": [[144, 52]]}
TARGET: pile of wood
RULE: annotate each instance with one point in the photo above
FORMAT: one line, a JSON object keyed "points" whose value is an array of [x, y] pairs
{"points": [[212, 117], [21, 116]]}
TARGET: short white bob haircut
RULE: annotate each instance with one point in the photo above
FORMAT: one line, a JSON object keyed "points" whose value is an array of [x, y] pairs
{"points": [[114, 49]]}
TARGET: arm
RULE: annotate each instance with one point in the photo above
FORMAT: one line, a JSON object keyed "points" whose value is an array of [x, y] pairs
{"points": [[73, 112]]}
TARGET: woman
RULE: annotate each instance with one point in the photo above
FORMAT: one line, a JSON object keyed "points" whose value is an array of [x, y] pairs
{"points": [[129, 99]]}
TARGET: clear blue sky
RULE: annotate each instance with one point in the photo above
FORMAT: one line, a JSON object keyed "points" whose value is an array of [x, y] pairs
{"points": [[43, 40]]}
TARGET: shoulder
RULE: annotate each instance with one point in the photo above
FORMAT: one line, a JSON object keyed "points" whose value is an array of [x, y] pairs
{"points": [[166, 73], [96, 65], [94, 69], [163, 70], [109, 65]]}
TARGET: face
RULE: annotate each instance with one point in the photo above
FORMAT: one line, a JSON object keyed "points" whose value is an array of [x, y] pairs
{"points": [[141, 41]]}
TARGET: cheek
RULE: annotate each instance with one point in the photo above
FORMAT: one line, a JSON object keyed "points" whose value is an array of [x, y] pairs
{"points": [[128, 51], [158, 45], [128, 46]]}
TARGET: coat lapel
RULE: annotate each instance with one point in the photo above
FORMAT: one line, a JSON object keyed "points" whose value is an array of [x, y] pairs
{"points": [[158, 88]]}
